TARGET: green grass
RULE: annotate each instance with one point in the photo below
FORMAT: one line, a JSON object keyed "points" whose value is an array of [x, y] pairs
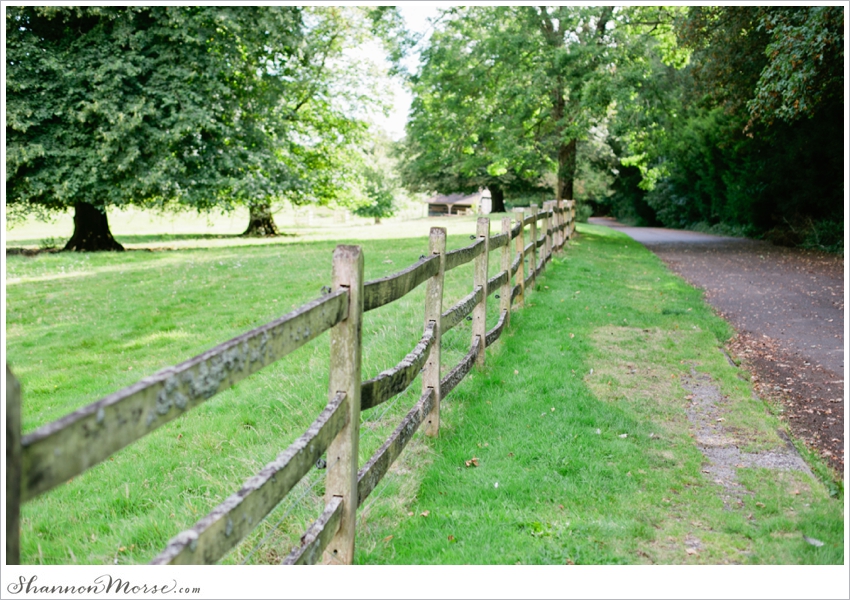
{"points": [[579, 417], [82, 326]]}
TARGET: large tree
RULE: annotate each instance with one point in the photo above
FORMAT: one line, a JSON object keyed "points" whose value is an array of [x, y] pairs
{"points": [[199, 107], [506, 93]]}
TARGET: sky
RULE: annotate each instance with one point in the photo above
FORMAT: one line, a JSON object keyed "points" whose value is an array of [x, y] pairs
{"points": [[416, 15]]}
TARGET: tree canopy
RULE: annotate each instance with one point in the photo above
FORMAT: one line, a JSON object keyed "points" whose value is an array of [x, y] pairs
{"points": [[183, 107]]}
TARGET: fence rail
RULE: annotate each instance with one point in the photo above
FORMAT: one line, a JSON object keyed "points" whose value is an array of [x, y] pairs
{"points": [[58, 451]]}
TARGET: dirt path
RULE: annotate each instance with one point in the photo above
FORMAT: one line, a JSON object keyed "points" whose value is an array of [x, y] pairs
{"points": [[787, 306]]}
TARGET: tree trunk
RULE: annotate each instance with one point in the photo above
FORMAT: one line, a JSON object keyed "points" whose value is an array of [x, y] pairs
{"points": [[261, 223], [91, 230], [497, 199], [377, 220], [566, 170]]}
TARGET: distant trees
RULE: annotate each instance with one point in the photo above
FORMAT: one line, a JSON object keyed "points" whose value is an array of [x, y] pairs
{"points": [[744, 137], [505, 94], [183, 107]]}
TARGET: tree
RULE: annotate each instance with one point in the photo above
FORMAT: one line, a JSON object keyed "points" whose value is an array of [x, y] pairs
{"points": [[380, 186], [506, 93], [176, 107], [742, 136]]}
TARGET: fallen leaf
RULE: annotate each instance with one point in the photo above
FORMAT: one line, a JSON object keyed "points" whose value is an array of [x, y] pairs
{"points": [[691, 551], [451, 538], [760, 504], [425, 513], [624, 435], [387, 539], [569, 562], [410, 514], [473, 462], [516, 372], [553, 409], [813, 541], [572, 335]]}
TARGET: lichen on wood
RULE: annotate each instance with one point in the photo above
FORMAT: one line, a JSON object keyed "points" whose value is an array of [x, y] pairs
{"points": [[464, 306], [461, 256], [223, 528], [68, 446], [382, 291], [373, 471], [394, 381]]}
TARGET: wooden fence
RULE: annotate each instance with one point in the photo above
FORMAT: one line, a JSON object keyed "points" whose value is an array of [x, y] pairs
{"points": [[53, 454]]}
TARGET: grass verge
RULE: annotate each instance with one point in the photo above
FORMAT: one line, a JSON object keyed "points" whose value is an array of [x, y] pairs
{"points": [[592, 467], [575, 446]]}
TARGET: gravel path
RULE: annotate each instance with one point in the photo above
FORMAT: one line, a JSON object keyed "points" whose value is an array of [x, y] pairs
{"points": [[787, 306]]}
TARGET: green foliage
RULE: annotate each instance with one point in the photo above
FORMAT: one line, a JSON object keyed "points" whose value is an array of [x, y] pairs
{"points": [[805, 67], [719, 143], [505, 93], [380, 185], [200, 107]]}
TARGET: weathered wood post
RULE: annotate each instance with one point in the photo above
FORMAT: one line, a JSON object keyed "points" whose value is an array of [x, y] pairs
{"points": [[342, 456], [572, 218], [507, 288], [520, 247], [547, 232], [533, 233], [559, 220], [479, 313], [13, 469], [433, 313]]}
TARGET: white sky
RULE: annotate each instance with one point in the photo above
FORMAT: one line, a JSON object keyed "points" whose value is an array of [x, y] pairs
{"points": [[416, 15]]}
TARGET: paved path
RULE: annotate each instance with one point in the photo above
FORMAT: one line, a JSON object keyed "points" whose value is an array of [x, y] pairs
{"points": [[788, 308]]}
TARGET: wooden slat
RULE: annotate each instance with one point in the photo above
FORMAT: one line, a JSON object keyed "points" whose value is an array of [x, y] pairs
{"points": [[394, 381], [517, 289], [515, 265], [516, 229], [54, 453], [456, 375], [541, 241], [496, 281], [528, 248], [532, 218], [456, 313], [494, 333], [529, 281], [318, 536], [214, 535], [388, 289], [497, 241], [374, 470], [461, 256]]}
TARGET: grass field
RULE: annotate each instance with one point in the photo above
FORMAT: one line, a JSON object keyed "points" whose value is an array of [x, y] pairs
{"points": [[580, 416]]}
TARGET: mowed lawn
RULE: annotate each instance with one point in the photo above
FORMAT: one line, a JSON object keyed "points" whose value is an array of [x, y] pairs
{"points": [[571, 446]]}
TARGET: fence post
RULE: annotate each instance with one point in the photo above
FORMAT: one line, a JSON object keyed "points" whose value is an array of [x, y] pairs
{"points": [[547, 232], [342, 457], [13, 469], [433, 313], [520, 247], [572, 218], [479, 313], [559, 218], [507, 288], [533, 233]]}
